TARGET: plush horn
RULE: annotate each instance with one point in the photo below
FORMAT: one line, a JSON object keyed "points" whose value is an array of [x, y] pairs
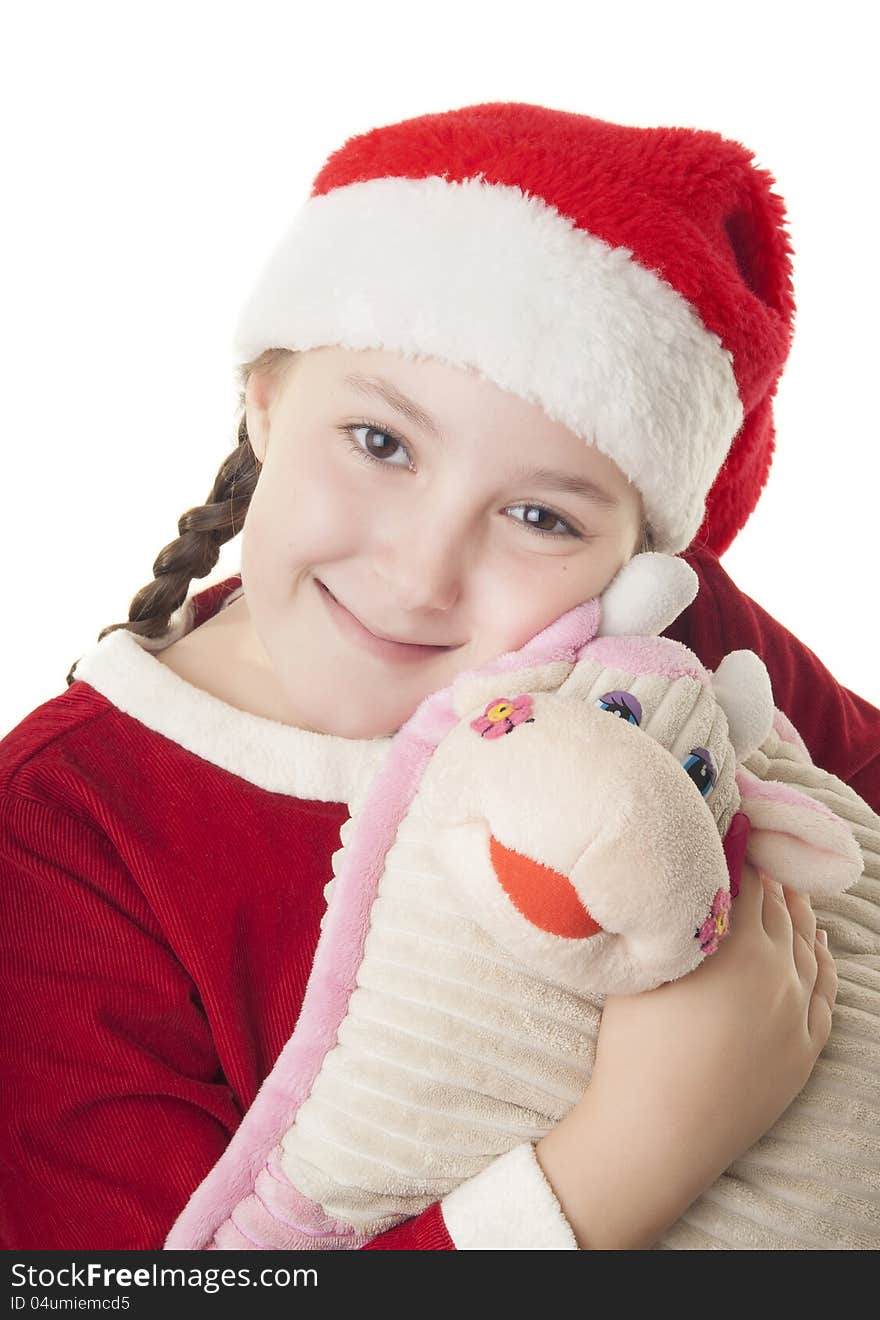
{"points": [[648, 593], [742, 689]]}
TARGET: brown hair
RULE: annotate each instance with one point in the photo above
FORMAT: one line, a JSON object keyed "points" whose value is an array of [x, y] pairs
{"points": [[645, 543], [205, 528]]}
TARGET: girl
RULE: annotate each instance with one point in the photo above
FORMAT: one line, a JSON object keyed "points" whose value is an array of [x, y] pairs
{"points": [[563, 336]]}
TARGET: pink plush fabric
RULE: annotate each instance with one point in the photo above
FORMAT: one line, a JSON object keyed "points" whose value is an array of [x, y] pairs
{"points": [[786, 730], [772, 790], [646, 655]]}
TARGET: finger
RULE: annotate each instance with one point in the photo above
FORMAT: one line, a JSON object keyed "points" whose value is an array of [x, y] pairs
{"points": [[774, 912], [748, 902], [803, 922], [801, 911], [824, 994]]}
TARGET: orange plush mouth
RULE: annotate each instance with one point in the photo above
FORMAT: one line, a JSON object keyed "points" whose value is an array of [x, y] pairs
{"points": [[545, 897]]}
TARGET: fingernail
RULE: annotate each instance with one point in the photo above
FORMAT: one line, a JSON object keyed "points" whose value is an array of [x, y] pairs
{"points": [[823, 936]]}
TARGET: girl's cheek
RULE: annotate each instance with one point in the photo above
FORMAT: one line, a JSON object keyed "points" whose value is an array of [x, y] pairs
{"points": [[510, 605], [518, 599], [316, 516]]}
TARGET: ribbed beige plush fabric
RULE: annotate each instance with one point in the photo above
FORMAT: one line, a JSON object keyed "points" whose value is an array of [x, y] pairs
{"points": [[443, 1023]]}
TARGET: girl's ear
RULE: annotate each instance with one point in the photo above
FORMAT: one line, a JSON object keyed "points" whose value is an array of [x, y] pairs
{"points": [[799, 841], [256, 416], [260, 391]]}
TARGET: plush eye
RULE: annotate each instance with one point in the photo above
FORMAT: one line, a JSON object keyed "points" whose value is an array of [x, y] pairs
{"points": [[623, 704], [701, 769]]}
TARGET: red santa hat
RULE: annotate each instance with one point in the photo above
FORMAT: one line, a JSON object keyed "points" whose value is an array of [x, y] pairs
{"points": [[633, 282]]}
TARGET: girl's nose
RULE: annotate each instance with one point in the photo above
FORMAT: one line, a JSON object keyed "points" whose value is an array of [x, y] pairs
{"points": [[421, 580], [422, 564]]}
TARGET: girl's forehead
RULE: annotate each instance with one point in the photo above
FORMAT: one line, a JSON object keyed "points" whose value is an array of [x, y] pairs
{"points": [[456, 405]]}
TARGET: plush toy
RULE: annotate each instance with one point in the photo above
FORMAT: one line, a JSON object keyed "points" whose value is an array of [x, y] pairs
{"points": [[543, 832]]}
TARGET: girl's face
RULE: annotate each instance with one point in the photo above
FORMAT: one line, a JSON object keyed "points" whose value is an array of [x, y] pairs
{"points": [[410, 490]]}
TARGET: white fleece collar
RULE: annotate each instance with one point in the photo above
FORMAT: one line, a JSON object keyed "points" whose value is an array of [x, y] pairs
{"points": [[278, 757]]}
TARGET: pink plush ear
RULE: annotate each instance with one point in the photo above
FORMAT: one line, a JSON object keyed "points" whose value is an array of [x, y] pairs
{"points": [[798, 841]]}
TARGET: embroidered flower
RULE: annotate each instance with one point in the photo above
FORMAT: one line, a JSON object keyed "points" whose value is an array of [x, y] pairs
{"points": [[502, 715], [716, 925]]}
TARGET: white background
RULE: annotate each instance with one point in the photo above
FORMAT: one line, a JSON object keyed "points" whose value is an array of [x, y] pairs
{"points": [[152, 154]]}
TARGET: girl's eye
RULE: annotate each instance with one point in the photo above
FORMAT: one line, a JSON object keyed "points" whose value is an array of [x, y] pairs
{"points": [[390, 444], [545, 513]]}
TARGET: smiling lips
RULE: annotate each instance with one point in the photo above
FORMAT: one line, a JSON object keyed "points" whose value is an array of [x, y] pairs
{"points": [[382, 646], [545, 897]]}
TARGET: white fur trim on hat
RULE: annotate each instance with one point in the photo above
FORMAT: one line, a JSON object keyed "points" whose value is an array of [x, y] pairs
{"points": [[492, 278]]}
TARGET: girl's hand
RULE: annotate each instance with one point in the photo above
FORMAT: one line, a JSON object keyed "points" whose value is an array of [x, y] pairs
{"points": [[690, 1075], [721, 1053]]}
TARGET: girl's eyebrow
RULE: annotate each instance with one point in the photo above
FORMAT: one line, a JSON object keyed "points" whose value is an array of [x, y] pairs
{"points": [[548, 477], [568, 482], [377, 385]]}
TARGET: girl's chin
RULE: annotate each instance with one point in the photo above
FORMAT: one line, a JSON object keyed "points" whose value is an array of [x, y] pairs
{"points": [[369, 717]]}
